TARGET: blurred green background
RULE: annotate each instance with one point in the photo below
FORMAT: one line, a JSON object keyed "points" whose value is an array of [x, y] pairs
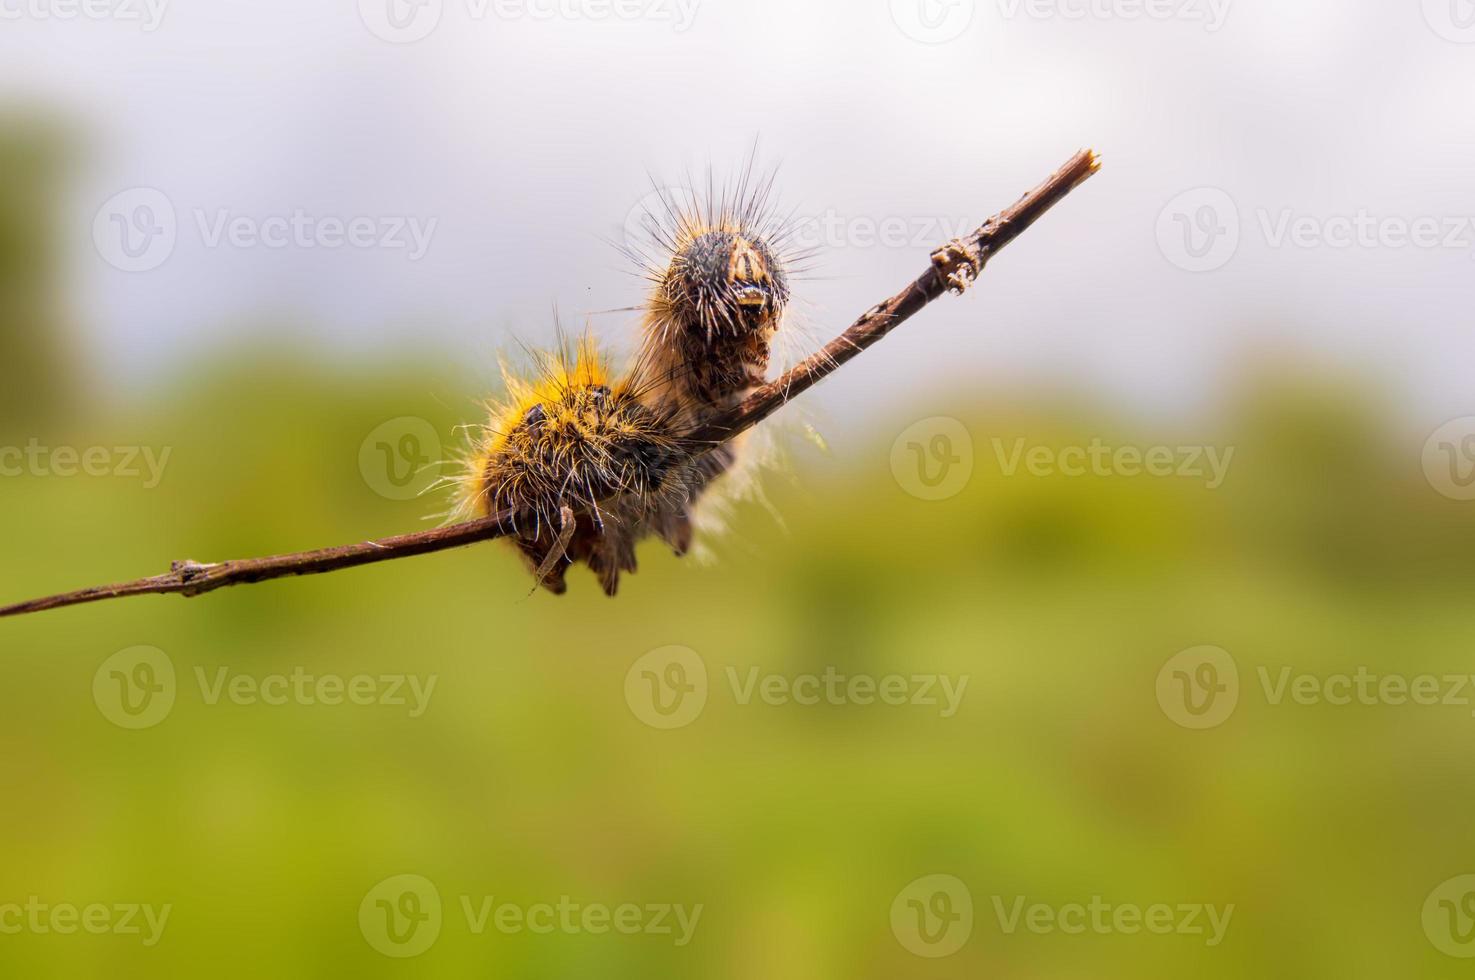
{"points": [[533, 773]]}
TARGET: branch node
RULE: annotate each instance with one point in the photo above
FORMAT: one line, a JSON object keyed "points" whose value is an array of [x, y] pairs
{"points": [[189, 570], [958, 264]]}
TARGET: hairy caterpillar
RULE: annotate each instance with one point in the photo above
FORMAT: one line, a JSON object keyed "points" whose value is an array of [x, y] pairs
{"points": [[593, 464], [560, 445]]}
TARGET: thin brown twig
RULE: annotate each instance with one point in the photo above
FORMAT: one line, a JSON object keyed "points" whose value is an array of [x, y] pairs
{"points": [[954, 267]]}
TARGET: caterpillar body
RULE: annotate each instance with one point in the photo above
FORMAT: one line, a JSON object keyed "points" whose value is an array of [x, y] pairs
{"points": [[571, 453]]}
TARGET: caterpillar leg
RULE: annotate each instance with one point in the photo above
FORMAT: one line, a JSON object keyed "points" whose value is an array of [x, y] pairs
{"points": [[674, 521], [558, 555], [614, 554], [675, 529]]}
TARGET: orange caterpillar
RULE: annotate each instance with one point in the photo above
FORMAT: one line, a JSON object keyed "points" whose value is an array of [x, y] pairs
{"points": [[569, 453]]}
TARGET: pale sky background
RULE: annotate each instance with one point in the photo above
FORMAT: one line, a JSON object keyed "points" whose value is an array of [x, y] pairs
{"points": [[527, 140]]}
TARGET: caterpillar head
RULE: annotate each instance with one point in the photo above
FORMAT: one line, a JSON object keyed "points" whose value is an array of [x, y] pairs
{"points": [[716, 307], [719, 269], [724, 281]]}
